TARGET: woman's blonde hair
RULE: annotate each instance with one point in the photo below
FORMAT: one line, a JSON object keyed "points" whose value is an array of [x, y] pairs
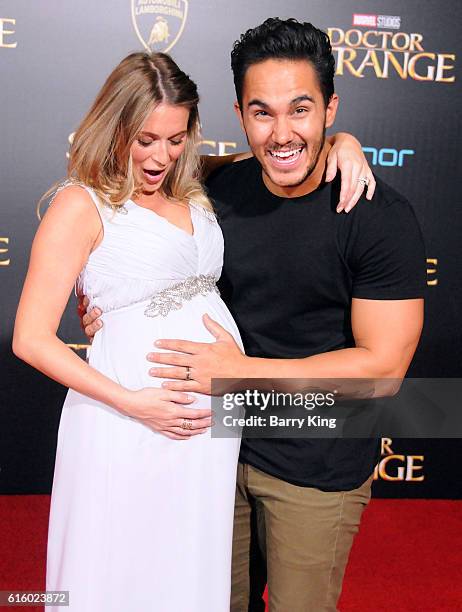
{"points": [[100, 152]]}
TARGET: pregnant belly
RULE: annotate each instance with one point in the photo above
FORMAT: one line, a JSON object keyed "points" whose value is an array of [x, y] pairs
{"points": [[120, 348]]}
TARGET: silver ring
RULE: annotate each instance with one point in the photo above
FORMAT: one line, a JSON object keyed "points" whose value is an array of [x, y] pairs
{"points": [[188, 373], [364, 180], [186, 424]]}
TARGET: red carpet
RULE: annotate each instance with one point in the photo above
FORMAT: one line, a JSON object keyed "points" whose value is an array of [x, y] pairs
{"points": [[407, 557]]}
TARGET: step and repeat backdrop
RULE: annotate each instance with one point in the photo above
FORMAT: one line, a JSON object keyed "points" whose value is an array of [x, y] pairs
{"points": [[398, 82]]}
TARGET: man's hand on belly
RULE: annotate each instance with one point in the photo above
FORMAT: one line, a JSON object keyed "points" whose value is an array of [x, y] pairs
{"points": [[194, 364]]}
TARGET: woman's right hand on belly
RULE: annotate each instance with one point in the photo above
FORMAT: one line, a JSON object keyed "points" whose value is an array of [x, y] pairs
{"points": [[165, 412]]}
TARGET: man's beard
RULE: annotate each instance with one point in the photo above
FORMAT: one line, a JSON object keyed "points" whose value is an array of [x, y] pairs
{"points": [[311, 167]]}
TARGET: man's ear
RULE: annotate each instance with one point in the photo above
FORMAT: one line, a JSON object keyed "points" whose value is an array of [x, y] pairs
{"points": [[237, 110], [331, 110]]}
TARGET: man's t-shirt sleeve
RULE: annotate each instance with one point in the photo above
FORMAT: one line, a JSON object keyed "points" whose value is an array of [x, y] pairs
{"points": [[388, 257]]}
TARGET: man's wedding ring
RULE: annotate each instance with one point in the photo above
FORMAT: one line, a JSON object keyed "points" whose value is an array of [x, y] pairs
{"points": [[364, 181], [188, 372], [186, 424]]}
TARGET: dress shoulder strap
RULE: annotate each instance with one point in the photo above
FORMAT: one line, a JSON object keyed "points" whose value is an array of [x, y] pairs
{"points": [[72, 183], [207, 214], [103, 209]]}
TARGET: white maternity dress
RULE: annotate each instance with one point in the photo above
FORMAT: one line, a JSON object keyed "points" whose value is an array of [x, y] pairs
{"points": [[139, 522]]}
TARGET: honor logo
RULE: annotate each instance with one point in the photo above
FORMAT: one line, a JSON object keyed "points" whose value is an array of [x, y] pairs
{"points": [[159, 23], [388, 157]]}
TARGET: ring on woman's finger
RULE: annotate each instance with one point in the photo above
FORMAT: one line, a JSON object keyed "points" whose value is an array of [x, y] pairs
{"points": [[188, 373], [186, 424], [364, 180]]}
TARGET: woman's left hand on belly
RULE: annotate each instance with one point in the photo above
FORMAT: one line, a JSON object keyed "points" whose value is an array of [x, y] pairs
{"points": [[193, 365]]}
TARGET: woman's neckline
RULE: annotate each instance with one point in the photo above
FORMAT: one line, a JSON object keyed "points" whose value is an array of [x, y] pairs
{"points": [[161, 217]]}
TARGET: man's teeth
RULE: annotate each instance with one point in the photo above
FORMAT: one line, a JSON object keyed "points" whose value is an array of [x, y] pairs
{"points": [[285, 154]]}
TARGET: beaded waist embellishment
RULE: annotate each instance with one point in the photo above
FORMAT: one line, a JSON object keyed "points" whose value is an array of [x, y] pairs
{"points": [[172, 298]]}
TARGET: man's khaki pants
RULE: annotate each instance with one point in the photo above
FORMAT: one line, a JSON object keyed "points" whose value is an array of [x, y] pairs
{"points": [[296, 538]]}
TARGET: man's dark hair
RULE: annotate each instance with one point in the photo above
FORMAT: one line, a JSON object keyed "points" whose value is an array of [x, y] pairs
{"points": [[286, 40]]}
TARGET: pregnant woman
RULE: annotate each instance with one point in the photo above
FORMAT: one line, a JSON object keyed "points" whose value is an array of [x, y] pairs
{"points": [[143, 496]]}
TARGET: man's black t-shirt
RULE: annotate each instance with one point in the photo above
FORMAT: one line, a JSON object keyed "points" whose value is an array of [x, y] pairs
{"points": [[291, 269]]}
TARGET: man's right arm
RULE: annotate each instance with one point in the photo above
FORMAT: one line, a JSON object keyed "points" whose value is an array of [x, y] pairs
{"points": [[89, 321]]}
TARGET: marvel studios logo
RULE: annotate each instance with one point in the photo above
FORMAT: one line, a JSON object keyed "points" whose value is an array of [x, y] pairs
{"points": [[391, 22]]}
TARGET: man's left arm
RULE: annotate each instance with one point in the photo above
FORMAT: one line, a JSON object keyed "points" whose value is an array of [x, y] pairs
{"points": [[388, 258], [386, 334]]}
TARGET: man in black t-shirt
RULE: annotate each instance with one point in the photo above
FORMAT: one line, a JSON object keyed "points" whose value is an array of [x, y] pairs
{"points": [[315, 295]]}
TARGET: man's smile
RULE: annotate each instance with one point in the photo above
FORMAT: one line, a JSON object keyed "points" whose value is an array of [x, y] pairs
{"points": [[286, 158]]}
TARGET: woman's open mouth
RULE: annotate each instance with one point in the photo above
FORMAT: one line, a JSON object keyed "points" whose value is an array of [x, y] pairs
{"points": [[153, 176]]}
